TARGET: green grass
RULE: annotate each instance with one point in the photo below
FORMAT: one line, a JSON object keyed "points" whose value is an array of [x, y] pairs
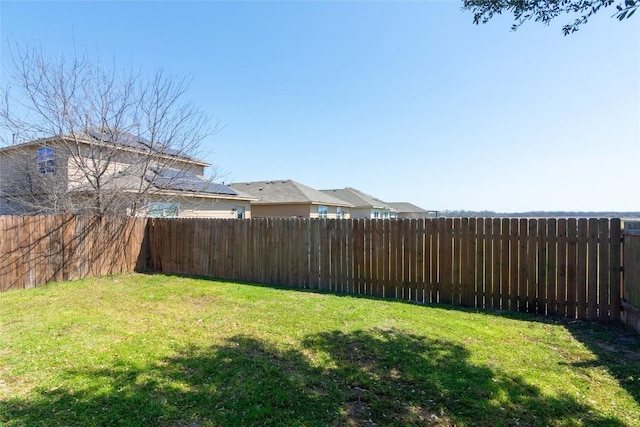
{"points": [[153, 350]]}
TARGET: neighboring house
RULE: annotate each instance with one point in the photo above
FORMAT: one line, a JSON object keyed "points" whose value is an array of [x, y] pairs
{"points": [[364, 205], [74, 174], [288, 198], [409, 210]]}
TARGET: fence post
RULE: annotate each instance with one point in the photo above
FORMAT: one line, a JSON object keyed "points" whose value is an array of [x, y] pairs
{"points": [[631, 274]]}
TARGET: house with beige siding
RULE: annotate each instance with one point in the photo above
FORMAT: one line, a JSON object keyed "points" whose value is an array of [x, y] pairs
{"points": [[364, 205], [288, 198], [66, 174]]}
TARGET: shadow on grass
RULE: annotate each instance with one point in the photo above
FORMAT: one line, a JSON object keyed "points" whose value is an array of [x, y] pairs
{"points": [[617, 349], [386, 377], [616, 346]]}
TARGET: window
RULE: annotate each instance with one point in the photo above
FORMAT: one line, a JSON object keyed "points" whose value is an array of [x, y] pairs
{"points": [[46, 160], [239, 212], [323, 212], [163, 210], [340, 212], [375, 214]]}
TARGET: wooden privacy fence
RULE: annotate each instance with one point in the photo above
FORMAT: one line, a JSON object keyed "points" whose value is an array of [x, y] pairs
{"points": [[39, 249], [565, 267]]}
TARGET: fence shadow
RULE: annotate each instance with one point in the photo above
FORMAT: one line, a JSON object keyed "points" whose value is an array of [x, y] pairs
{"points": [[381, 377]]}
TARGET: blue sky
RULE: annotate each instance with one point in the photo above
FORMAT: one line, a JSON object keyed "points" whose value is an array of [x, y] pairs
{"points": [[407, 101]]}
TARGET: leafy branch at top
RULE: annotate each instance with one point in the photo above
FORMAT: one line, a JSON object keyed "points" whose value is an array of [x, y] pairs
{"points": [[546, 10]]}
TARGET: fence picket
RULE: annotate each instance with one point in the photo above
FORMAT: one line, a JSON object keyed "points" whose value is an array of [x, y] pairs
{"points": [[581, 274], [552, 266], [615, 288], [468, 267], [505, 295], [603, 269], [543, 267], [572, 251]]}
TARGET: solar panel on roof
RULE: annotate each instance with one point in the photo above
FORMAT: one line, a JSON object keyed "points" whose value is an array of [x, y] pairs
{"points": [[173, 179]]}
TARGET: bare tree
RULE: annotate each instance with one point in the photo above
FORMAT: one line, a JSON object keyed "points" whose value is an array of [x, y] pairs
{"points": [[83, 138]]}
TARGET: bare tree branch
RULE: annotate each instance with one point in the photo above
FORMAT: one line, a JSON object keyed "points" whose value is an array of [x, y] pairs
{"points": [[94, 140]]}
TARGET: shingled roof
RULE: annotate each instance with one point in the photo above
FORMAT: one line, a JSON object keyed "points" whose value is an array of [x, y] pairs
{"points": [[408, 207], [180, 180], [358, 199], [286, 192]]}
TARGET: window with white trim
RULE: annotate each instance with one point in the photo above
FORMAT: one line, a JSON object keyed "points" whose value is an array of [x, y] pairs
{"points": [[163, 210], [323, 212], [46, 160]]}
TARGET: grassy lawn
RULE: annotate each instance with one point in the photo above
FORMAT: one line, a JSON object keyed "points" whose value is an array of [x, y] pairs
{"points": [[153, 350]]}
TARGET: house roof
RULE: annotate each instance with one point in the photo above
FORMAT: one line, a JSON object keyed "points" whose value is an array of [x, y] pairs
{"points": [[358, 199], [179, 180], [123, 139], [406, 207], [168, 181], [286, 192], [164, 180]]}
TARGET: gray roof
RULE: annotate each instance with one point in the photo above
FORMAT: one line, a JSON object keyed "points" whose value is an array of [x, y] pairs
{"points": [[406, 207], [183, 183], [127, 139], [285, 192], [180, 180], [358, 198]]}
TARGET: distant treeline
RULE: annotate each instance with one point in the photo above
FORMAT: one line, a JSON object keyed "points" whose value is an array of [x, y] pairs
{"points": [[536, 214]]}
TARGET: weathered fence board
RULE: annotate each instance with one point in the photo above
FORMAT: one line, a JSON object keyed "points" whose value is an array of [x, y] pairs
{"points": [[35, 250], [631, 292], [630, 298]]}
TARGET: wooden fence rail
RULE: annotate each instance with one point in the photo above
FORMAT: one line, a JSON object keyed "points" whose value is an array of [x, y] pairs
{"points": [[565, 267]]}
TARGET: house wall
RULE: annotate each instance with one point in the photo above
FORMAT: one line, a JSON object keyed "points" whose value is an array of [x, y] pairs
{"points": [[9, 206], [295, 211], [76, 169], [23, 189], [213, 208], [361, 213], [332, 212], [130, 163], [19, 171], [283, 210], [370, 213], [11, 171], [200, 207]]}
